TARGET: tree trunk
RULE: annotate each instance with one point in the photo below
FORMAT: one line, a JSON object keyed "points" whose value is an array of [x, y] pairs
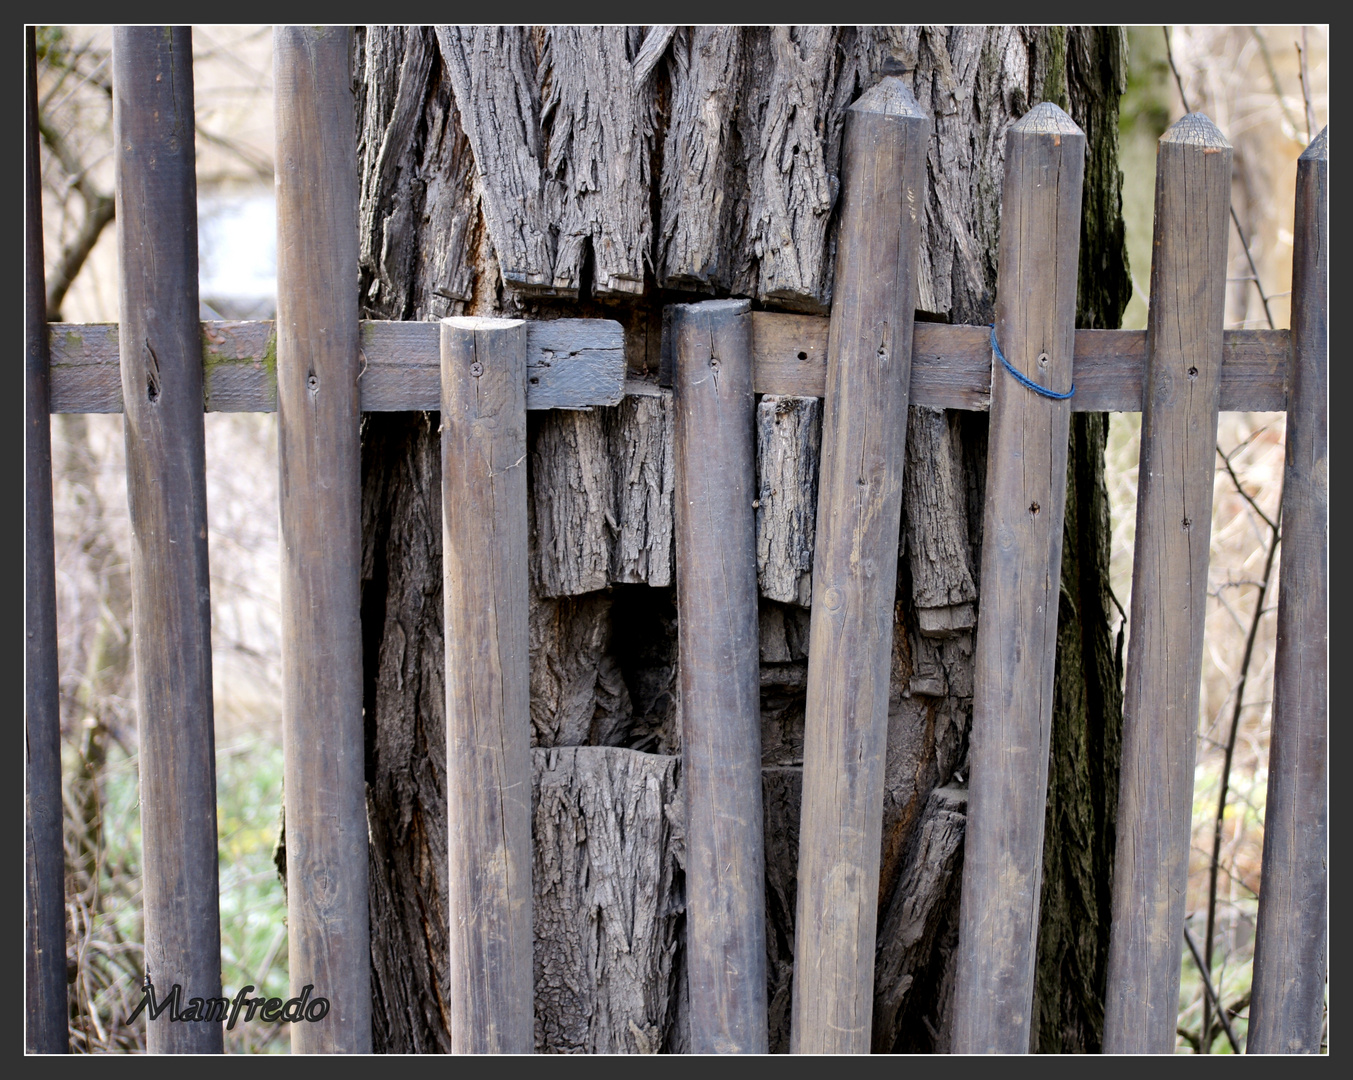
{"points": [[607, 171]]}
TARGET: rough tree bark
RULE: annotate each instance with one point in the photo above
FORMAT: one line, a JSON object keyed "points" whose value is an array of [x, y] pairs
{"points": [[547, 172]]}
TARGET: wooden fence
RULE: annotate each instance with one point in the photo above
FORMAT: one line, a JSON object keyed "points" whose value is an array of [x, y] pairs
{"points": [[319, 367]]}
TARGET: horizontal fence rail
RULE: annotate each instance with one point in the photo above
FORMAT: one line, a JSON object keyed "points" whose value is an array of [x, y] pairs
{"points": [[577, 363]]}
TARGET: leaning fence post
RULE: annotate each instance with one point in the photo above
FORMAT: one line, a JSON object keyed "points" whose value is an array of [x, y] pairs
{"points": [[1288, 992], [720, 676], [1016, 652], [160, 346], [864, 433], [488, 722], [328, 942], [1169, 586], [45, 1008]]}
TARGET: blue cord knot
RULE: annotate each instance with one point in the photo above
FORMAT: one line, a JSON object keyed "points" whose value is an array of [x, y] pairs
{"points": [[1023, 379]]}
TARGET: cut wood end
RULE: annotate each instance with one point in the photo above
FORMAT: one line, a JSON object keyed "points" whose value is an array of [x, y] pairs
{"points": [[1046, 119], [1196, 129], [480, 322], [715, 307], [890, 96], [1319, 150]]}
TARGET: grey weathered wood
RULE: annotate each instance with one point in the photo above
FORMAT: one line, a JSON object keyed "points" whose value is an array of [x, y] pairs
{"points": [[45, 1007], [855, 569], [579, 364], [1169, 586], [788, 445], [1290, 950], [1015, 663], [935, 505], [602, 484], [608, 900], [320, 520], [161, 371], [488, 721], [720, 676]]}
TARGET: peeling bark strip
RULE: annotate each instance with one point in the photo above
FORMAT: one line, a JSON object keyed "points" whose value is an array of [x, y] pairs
{"points": [[46, 1012], [580, 363], [788, 445], [609, 901], [167, 499], [855, 570], [1290, 956], [488, 719], [1014, 674], [1169, 586], [720, 677], [328, 939]]}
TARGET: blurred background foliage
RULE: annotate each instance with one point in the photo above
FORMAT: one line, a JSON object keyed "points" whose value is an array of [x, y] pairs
{"points": [[1266, 88]]}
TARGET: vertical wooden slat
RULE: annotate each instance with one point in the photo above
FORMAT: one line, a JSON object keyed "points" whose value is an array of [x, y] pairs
{"points": [[488, 721], [1169, 586], [160, 349], [1287, 1005], [855, 569], [720, 677], [45, 1030], [320, 512], [1016, 651]]}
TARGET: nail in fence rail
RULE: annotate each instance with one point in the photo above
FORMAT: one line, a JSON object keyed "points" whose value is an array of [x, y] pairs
{"points": [[1287, 1002], [1016, 648], [320, 514], [161, 364], [720, 668], [45, 1008], [488, 722], [1169, 586], [859, 512]]}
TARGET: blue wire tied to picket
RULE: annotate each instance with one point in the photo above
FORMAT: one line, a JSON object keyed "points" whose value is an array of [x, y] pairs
{"points": [[1023, 379]]}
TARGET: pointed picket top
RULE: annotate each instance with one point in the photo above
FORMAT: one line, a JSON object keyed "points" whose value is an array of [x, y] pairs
{"points": [[1319, 150], [890, 96], [1196, 129], [1046, 119]]}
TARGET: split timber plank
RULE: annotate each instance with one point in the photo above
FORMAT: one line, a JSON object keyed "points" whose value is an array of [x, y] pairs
{"points": [[579, 363]]}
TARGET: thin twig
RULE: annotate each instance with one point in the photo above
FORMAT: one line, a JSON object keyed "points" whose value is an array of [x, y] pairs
{"points": [[1211, 996], [1244, 242], [1273, 77], [1231, 740], [1226, 461], [1306, 88]]}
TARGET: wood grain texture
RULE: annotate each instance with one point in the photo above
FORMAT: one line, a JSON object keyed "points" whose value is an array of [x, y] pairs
{"points": [[855, 570], [1290, 952], [161, 371], [1015, 662], [609, 900], [788, 445], [1169, 586], [328, 939], [579, 363], [488, 720], [45, 1007], [720, 676]]}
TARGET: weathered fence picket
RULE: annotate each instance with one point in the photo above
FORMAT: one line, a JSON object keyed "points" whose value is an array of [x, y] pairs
{"points": [[319, 367], [161, 363], [44, 852], [864, 436], [488, 685], [1016, 649], [1169, 586], [1290, 948], [720, 676], [320, 506]]}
